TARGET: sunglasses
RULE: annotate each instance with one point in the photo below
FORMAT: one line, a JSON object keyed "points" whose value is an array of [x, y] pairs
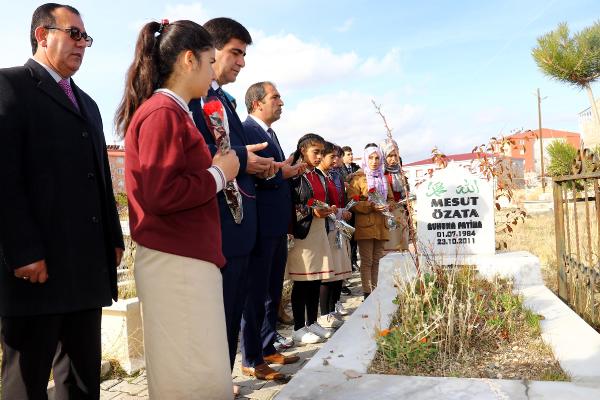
{"points": [[75, 34]]}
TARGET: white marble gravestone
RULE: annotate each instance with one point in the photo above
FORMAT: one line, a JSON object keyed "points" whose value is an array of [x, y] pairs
{"points": [[455, 213]]}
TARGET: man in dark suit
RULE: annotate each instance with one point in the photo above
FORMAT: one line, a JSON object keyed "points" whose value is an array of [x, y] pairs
{"points": [[60, 237], [268, 259], [231, 40]]}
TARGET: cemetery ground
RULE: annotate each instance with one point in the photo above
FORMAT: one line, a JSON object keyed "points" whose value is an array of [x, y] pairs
{"points": [[451, 322], [535, 235]]}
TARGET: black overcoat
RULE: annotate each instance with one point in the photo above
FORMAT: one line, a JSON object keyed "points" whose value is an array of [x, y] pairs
{"points": [[56, 197]]}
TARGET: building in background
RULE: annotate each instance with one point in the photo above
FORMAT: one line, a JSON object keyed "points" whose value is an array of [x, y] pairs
{"points": [[527, 148], [116, 159], [590, 129]]}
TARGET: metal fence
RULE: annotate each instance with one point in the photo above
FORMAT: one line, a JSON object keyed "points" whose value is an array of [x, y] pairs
{"points": [[577, 227]]}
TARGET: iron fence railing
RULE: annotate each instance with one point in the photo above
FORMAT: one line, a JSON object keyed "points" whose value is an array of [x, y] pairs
{"points": [[577, 228]]}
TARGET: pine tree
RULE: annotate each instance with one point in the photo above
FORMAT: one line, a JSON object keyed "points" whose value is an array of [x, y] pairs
{"points": [[571, 59]]}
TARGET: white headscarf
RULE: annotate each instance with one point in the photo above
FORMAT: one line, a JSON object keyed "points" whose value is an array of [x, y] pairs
{"points": [[375, 178]]}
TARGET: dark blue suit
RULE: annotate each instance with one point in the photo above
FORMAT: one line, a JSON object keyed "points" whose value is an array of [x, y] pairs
{"points": [[268, 259], [238, 239]]}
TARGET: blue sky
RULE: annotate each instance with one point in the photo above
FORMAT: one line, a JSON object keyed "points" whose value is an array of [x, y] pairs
{"points": [[450, 74]]}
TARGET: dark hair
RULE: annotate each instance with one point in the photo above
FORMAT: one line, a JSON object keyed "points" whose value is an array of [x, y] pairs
{"points": [[224, 29], [156, 51], [256, 92], [42, 16], [310, 139], [328, 148], [339, 150], [347, 149], [371, 145]]}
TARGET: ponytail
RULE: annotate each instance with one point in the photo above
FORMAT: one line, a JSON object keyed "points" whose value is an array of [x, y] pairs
{"points": [[156, 51]]}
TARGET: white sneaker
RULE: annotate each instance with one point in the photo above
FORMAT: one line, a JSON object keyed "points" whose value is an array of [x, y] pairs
{"points": [[303, 335], [339, 308], [320, 331], [329, 321]]}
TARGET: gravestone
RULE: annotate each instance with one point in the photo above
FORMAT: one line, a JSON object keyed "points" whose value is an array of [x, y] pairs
{"points": [[455, 213]]}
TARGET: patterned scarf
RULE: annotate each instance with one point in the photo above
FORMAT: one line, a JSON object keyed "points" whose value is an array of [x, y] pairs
{"points": [[375, 178], [387, 146]]}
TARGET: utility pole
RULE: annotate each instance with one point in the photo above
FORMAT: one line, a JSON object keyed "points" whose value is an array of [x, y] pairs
{"points": [[539, 99]]}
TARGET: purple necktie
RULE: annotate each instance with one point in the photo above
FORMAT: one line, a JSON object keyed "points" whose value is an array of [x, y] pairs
{"points": [[65, 85]]}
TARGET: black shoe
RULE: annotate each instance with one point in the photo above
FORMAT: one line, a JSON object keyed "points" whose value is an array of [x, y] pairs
{"points": [[366, 295], [346, 291]]}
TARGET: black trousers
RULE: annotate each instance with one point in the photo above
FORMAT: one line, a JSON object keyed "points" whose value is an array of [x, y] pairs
{"points": [[69, 344], [235, 290], [330, 294], [305, 299], [265, 282]]}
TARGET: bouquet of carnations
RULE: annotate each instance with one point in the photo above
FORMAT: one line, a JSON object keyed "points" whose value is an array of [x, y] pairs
{"points": [[342, 227], [376, 198], [214, 115], [352, 202]]}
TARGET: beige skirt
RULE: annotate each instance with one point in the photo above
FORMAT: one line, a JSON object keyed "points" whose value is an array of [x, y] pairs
{"points": [[184, 326], [398, 240], [342, 266], [310, 258]]}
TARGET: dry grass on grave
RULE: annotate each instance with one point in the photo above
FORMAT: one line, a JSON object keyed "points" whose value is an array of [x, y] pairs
{"points": [[450, 322], [535, 235]]}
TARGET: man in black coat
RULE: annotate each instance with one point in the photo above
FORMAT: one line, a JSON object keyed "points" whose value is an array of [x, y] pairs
{"points": [[60, 237]]}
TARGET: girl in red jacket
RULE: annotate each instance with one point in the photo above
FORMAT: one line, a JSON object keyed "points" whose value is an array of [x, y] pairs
{"points": [[172, 182]]}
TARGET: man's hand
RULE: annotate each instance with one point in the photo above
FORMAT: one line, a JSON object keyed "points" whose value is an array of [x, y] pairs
{"points": [[289, 171], [118, 255], [256, 164], [34, 272], [271, 171]]}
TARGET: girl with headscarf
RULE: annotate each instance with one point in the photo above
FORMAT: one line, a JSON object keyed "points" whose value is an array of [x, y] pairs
{"points": [[393, 172], [371, 230]]}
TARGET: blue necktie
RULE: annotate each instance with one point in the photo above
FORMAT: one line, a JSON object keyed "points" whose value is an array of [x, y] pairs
{"points": [[277, 145]]}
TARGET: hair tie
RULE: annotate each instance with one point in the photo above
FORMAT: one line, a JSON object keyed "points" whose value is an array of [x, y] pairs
{"points": [[162, 26]]}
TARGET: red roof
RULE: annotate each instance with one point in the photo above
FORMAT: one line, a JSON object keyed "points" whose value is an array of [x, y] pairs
{"points": [[546, 133], [450, 157]]}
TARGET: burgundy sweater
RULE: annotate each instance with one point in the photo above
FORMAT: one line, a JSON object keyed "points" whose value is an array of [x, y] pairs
{"points": [[172, 197]]}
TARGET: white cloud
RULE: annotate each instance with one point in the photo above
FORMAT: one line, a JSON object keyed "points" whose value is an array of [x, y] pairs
{"points": [[195, 12], [349, 118], [173, 12], [294, 64], [389, 63], [345, 27]]}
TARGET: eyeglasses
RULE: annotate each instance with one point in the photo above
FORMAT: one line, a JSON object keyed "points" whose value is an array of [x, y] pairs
{"points": [[75, 34]]}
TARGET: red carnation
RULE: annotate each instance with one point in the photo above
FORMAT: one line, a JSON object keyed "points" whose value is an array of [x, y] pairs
{"points": [[310, 202], [213, 106], [372, 190], [356, 198]]}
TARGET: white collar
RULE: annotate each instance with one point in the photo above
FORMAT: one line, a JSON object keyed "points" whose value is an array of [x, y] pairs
{"points": [[55, 75], [259, 122], [215, 85], [177, 98]]}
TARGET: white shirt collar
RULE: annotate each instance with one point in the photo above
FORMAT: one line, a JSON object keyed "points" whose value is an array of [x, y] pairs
{"points": [[259, 122], [55, 75], [215, 85], [177, 99]]}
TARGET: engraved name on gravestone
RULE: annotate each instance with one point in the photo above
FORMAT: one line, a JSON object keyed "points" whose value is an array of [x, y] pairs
{"points": [[455, 213]]}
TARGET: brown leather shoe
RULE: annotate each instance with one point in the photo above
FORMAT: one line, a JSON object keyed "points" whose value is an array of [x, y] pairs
{"points": [[265, 373], [278, 358]]}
